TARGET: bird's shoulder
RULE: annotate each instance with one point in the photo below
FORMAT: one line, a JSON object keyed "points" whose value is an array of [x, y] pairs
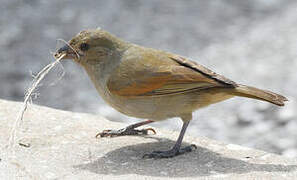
{"points": [[146, 57]]}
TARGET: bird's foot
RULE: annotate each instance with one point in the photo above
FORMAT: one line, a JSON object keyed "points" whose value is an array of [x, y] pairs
{"points": [[171, 153], [124, 132]]}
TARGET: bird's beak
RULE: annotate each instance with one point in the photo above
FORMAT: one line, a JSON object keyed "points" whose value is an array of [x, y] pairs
{"points": [[67, 51]]}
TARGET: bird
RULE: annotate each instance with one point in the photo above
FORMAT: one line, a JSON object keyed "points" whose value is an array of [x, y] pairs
{"points": [[152, 84]]}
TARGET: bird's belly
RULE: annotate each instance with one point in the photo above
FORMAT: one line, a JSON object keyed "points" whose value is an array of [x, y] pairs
{"points": [[154, 108], [147, 108]]}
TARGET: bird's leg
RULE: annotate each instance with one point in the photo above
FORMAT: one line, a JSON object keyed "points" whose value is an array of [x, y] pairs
{"points": [[176, 150], [129, 130]]}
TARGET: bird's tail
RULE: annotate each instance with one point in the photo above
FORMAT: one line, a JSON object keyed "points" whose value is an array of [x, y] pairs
{"points": [[264, 95]]}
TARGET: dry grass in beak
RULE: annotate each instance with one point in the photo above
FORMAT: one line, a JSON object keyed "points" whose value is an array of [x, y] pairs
{"points": [[37, 79], [57, 55]]}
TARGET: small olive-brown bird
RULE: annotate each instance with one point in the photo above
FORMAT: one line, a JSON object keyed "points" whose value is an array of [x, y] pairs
{"points": [[152, 84]]}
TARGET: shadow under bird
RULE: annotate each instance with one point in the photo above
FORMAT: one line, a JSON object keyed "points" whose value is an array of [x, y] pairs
{"points": [[151, 84]]}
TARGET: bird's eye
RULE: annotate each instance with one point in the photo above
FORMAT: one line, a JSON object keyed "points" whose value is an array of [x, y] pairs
{"points": [[84, 46]]}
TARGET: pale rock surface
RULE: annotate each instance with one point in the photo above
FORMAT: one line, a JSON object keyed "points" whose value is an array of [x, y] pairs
{"points": [[61, 145]]}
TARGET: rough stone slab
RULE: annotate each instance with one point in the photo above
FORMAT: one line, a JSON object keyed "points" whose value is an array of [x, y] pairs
{"points": [[62, 146]]}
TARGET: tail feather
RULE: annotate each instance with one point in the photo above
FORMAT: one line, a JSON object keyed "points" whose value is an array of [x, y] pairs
{"points": [[264, 95]]}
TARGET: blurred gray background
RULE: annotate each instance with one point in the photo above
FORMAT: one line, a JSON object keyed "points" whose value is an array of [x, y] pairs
{"points": [[249, 41]]}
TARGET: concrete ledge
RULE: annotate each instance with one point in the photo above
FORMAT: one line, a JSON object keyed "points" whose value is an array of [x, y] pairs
{"points": [[62, 146]]}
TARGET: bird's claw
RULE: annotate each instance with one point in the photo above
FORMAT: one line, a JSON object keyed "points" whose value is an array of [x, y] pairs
{"points": [[124, 132], [105, 133]]}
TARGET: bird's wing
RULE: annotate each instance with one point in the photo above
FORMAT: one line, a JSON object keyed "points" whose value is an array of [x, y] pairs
{"points": [[162, 75]]}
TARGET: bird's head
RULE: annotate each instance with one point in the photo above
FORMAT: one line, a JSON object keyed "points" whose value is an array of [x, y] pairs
{"points": [[92, 46]]}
